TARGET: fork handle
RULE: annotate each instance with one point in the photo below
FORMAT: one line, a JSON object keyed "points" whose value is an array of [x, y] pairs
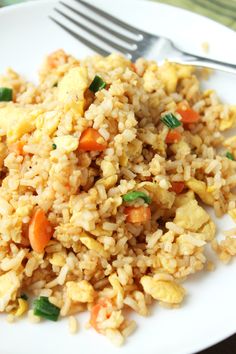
{"points": [[192, 59]]}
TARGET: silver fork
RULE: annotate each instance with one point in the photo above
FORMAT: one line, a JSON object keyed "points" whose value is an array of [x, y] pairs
{"points": [[135, 43]]}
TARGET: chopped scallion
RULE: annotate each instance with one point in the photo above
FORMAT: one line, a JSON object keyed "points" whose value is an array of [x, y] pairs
{"points": [[5, 94], [229, 156], [131, 196], [170, 121], [54, 146], [44, 308], [97, 84]]}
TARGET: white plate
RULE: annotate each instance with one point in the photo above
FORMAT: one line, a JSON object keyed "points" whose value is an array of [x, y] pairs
{"points": [[208, 314]]}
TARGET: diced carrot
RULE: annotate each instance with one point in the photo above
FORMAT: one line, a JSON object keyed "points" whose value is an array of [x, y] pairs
{"points": [[173, 136], [17, 148], [188, 115], [103, 303], [140, 214], [40, 231], [177, 187], [91, 140]]}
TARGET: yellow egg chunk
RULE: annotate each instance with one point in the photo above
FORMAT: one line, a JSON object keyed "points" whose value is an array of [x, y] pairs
{"points": [[166, 291], [184, 71], [22, 308], [72, 87], [48, 122], [191, 216], [16, 120], [94, 245], [81, 291], [230, 121], [57, 259], [184, 198], [200, 188], [168, 75], [9, 284], [66, 143]]}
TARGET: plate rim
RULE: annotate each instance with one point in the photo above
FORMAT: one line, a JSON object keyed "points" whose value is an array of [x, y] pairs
{"points": [[29, 3], [33, 3]]}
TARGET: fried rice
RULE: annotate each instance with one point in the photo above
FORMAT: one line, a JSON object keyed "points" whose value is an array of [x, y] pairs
{"points": [[107, 253]]}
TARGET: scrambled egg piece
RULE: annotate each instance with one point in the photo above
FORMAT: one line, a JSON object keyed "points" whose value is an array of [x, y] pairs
{"points": [[108, 182], [158, 194], [200, 188], [48, 122], [100, 232], [167, 74], [191, 216], [232, 213], [181, 148], [211, 189], [230, 121], [16, 121], [22, 308], [66, 143], [170, 73], [184, 198], [72, 87], [162, 290], [9, 284], [111, 62], [57, 259], [150, 78], [81, 291], [94, 245], [184, 71], [107, 168]]}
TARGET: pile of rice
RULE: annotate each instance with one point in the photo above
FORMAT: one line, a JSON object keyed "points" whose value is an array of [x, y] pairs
{"points": [[95, 255]]}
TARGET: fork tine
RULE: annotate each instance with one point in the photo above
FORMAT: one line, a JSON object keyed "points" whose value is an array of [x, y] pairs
{"points": [[81, 39], [95, 34], [111, 18], [100, 25]]}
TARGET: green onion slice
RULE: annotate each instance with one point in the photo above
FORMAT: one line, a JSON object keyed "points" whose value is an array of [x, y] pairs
{"points": [[5, 94], [54, 146], [170, 121], [24, 297], [97, 84], [44, 308], [129, 197], [229, 156]]}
